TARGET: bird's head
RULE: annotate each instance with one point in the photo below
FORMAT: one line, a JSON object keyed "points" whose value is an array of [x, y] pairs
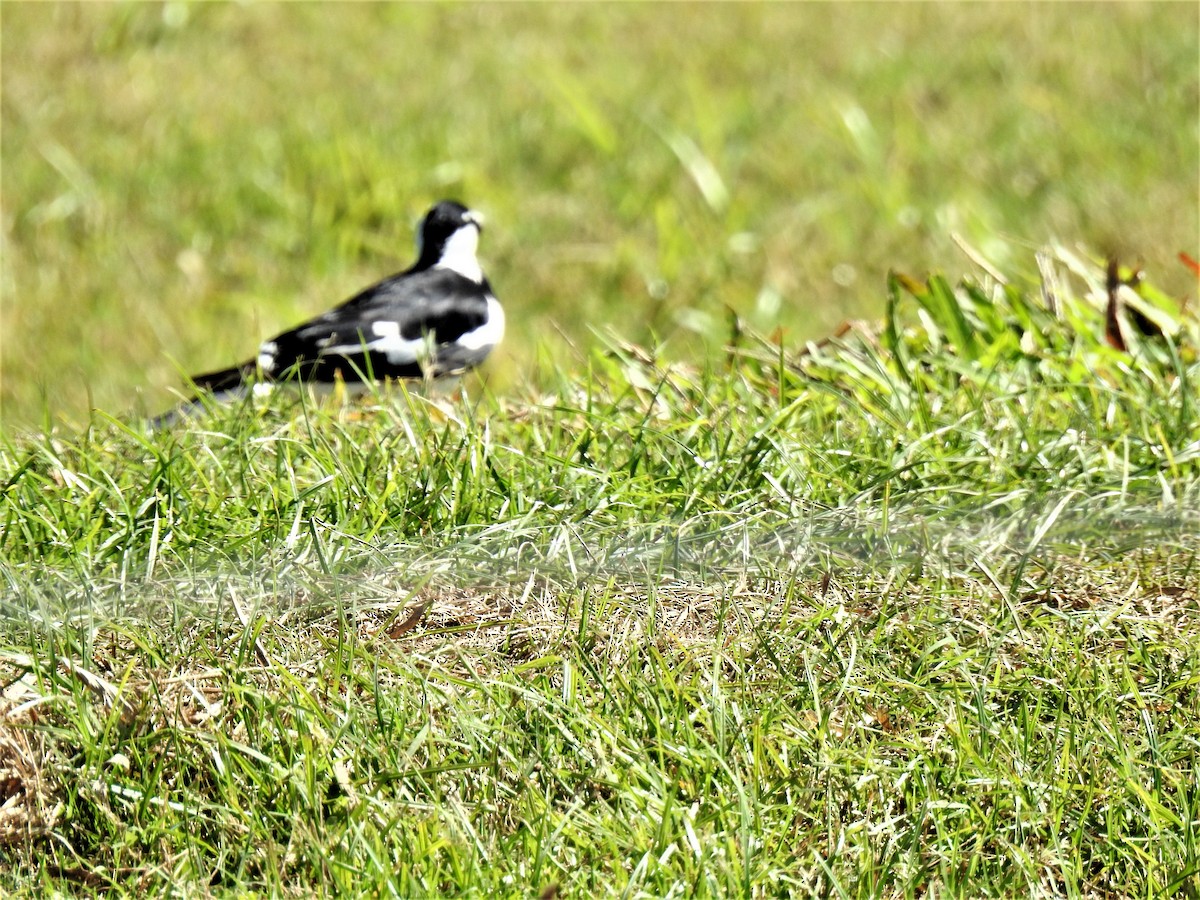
{"points": [[448, 238]]}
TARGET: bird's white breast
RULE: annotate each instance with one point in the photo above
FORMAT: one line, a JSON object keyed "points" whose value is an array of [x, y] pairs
{"points": [[458, 255], [490, 332]]}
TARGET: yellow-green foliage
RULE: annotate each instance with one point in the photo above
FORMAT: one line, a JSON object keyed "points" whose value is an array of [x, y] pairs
{"points": [[180, 180]]}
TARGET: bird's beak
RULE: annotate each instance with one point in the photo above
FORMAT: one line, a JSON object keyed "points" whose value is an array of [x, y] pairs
{"points": [[475, 218]]}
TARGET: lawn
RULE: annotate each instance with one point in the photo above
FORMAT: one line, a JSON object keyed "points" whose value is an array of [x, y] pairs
{"points": [[689, 591]]}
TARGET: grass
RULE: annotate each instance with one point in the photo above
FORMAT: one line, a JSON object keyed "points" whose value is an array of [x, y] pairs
{"points": [[882, 616], [691, 592]]}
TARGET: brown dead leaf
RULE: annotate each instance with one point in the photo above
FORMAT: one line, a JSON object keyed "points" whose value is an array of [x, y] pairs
{"points": [[414, 618], [883, 719]]}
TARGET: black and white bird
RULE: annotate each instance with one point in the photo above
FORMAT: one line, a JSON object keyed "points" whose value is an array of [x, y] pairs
{"points": [[438, 317]]}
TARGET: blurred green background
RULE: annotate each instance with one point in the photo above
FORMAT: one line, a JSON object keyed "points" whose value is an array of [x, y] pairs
{"points": [[182, 180]]}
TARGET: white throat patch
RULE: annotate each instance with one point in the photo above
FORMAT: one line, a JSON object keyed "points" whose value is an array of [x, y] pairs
{"points": [[459, 254]]}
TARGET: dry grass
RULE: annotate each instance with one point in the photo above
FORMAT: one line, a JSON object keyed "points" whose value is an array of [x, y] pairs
{"points": [[29, 801]]}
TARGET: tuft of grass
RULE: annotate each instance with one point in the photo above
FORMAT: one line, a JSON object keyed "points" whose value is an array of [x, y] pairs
{"points": [[909, 610]]}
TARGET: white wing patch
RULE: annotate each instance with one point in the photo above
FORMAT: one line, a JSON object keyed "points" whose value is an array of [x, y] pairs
{"points": [[386, 329], [388, 342]]}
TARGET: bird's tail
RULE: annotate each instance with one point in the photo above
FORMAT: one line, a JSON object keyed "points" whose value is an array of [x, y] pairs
{"points": [[224, 385], [225, 379]]}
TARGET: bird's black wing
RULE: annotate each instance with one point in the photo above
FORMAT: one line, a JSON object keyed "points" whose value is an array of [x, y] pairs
{"points": [[403, 327]]}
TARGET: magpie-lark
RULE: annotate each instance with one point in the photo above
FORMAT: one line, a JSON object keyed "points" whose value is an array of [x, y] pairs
{"points": [[438, 317]]}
